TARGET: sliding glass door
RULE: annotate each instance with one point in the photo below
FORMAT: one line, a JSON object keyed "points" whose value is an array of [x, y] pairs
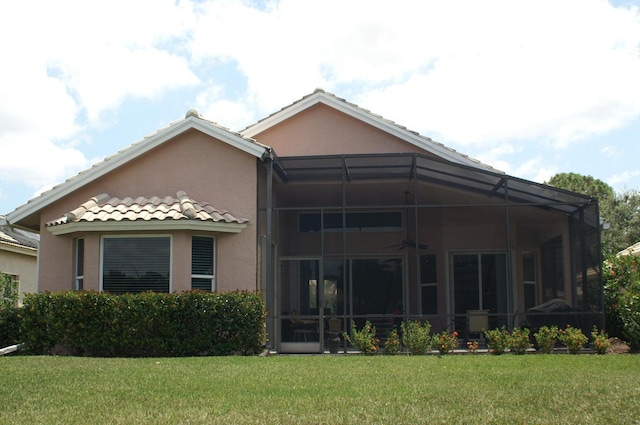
{"points": [[480, 283]]}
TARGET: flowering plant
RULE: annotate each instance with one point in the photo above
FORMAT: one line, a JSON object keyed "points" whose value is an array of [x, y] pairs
{"points": [[392, 344], [546, 338], [472, 346], [601, 341], [498, 340], [573, 338], [519, 341], [445, 342], [416, 337], [364, 340]]}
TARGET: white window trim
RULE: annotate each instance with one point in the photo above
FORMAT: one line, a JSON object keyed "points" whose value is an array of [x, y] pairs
{"points": [[422, 285], [78, 277]]}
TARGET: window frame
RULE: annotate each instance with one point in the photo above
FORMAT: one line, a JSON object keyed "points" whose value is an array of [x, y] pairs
{"points": [[211, 277], [137, 236], [526, 283], [427, 284], [79, 256]]}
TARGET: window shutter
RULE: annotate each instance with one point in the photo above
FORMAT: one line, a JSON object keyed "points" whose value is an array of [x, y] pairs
{"points": [[202, 265]]}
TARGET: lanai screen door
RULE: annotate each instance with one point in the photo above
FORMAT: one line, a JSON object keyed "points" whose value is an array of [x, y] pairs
{"points": [[312, 291], [480, 283]]}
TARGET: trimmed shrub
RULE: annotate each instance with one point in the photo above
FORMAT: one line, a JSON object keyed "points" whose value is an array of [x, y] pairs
{"points": [[144, 325], [416, 336], [9, 327], [498, 340]]}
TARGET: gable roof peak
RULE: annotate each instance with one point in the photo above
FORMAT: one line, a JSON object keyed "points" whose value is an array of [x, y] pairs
{"points": [[368, 117], [193, 120]]}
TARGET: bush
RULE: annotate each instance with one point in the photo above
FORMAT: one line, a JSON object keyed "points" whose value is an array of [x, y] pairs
{"points": [[416, 336], [601, 341], [364, 340], [392, 345], [445, 342], [9, 327], [573, 338], [546, 338], [519, 341], [142, 325], [498, 340], [621, 277]]}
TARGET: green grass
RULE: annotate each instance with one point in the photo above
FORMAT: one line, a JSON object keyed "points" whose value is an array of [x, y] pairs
{"points": [[509, 389]]}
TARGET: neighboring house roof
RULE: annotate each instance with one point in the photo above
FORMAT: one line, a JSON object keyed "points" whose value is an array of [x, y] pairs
{"points": [[331, 100], [103, 212], [192, 120], [16, 240]]}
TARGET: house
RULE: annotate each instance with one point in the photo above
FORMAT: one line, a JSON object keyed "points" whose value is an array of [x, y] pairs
{"points": [[330, 211], [19, 257]]}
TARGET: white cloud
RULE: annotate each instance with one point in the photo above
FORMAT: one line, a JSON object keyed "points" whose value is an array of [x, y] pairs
{"points": [[610, 151], [620, 179], [67, 62], [492, 76], [38, 161]]}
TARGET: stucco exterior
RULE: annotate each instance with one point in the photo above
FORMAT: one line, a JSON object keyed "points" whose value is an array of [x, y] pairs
{"points": [[193, 161], [19, 258], [341, 213]]}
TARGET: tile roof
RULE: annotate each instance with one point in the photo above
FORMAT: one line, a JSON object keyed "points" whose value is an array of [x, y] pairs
{"points": [[104, 208], [12, 237]]}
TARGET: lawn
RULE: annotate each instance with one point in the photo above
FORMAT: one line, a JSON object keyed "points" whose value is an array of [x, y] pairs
{"points": [[509, 389]]}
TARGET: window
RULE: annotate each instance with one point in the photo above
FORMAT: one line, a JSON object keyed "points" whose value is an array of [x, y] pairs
{"points": [[429, 284], [372, 221], [202, 264], [529, 279], [79, 285], [551, 257], [136, 264]]}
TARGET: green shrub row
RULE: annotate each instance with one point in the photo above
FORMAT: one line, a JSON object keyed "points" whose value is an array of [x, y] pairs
{"points": [[9, 327], [143, 325]]}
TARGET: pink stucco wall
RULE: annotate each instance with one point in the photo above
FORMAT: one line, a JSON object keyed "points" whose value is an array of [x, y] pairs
{"points": [[321, 130], [208, 170]]}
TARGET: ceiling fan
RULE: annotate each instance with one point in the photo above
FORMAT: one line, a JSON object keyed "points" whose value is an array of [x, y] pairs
{"points": [[407, 242]]}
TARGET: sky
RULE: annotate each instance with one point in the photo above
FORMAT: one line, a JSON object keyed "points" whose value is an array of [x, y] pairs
{"points": [[532, 88]]}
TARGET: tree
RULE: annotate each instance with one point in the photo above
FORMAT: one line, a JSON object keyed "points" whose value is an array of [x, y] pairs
{"points": [[620, 210]]}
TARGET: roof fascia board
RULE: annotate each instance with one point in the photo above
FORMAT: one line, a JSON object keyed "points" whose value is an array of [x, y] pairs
{"points": [[117, 226], [32, 252], [128, 154], [364, 116]]}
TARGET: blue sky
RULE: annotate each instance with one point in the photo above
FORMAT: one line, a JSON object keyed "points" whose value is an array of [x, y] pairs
{"points": [[532, 88]]}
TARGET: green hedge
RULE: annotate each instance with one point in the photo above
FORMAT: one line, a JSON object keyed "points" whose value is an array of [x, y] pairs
{"points": [[143, 325], [9, 327]]}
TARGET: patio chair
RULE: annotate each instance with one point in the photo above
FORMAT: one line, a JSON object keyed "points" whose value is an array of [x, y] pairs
{"points": [[477, 323]]}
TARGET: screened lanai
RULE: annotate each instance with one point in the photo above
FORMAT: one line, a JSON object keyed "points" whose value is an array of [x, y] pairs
{"points": [[392, 237]]}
